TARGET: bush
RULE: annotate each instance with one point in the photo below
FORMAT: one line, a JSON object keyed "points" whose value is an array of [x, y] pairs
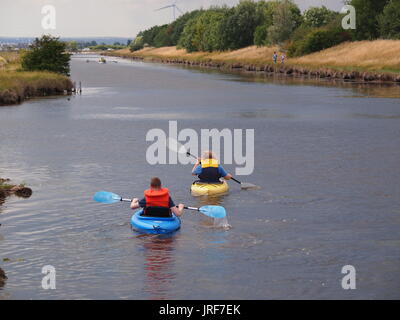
{"points": [[318, 16], [260, 35], [317, 40], [47, 54], [389, 21], [137, 44]]}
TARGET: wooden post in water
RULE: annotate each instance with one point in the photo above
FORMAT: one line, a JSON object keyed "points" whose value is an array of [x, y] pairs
{"points": [[74, 88], [80, 87]]}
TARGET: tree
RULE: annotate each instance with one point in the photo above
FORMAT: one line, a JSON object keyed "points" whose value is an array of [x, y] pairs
{"points": [[179, 24], [318, 16], [389, 20], [240, 25], [47, 54], [260, 35], [286, 18], [136, 44], [367, 12]]}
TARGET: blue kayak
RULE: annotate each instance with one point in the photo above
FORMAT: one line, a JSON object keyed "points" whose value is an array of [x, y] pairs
{"points": [[156, 225]]}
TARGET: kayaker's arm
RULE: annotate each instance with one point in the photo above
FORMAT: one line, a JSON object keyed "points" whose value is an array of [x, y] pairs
{"points": [[135, 203], [195, 167], [228, 177], [178, 211]]}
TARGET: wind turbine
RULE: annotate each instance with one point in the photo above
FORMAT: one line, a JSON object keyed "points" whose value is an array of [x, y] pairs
{"points": [[173, 6]]}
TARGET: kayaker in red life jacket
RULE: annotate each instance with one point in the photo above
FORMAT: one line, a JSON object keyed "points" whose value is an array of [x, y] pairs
{"points": [[209, 170], [157, 201]]}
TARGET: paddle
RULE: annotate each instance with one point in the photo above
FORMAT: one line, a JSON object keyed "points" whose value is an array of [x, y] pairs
{"points": [[174, 145], [109, 197]]}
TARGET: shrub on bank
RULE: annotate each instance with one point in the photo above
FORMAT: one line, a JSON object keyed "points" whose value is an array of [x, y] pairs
{"points": [[47, 54], [307, 40]]}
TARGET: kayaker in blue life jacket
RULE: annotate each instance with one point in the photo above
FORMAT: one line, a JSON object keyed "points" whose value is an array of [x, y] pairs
{"points": [[157, 201], [209, 170]]}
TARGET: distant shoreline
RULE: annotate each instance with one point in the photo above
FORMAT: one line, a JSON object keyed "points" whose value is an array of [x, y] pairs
{"points": [[322, 65]]}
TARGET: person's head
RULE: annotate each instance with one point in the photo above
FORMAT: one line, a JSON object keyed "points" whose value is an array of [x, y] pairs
{"points": [[155, 183], [208, 155]]}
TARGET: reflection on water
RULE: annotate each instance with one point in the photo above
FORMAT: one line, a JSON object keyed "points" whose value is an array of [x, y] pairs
{"points": [[158, 264], [361, 89]]}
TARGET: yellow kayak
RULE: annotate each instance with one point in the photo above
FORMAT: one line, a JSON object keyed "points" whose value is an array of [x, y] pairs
{"points": [[204, 189]]}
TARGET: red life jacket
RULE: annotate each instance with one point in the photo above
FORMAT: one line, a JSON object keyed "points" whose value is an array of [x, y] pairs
{"points": [[157, 198]]}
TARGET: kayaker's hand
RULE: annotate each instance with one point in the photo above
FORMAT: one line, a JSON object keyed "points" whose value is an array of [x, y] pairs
{"points": [[181, 206], [135, 200]]}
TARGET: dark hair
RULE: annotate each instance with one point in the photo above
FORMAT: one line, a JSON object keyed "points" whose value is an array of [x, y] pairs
{"points": [[155, 182]]}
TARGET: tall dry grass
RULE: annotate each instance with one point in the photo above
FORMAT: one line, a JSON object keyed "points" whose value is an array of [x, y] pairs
{"points": [[377, 55], [15, 86]]}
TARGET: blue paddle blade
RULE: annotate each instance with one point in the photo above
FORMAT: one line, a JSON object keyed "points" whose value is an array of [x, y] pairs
{"points": [[106, 197], [213, 211]]}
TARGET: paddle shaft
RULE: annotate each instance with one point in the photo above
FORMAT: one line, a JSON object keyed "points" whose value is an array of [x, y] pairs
{"points": [[188, 208]]}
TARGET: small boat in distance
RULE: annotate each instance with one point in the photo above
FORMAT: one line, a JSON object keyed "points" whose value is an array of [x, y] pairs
{"points": [[102, 60]]}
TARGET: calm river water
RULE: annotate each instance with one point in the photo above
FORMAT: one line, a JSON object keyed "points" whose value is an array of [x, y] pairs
{"points": [[327, 159]]}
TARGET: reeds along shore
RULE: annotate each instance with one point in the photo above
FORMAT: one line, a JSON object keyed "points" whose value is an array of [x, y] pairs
{"points": [[367, 61], [17, 86]]}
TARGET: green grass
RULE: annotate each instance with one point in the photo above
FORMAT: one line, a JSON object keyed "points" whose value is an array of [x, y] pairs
{"points": [[16, 85]]}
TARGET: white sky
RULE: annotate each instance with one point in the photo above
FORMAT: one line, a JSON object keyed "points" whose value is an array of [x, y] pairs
{"points": [[90, 18]]}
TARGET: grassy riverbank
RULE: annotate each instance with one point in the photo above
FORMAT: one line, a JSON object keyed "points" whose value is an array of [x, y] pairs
{"points": [[16, 86], [379, 56]]}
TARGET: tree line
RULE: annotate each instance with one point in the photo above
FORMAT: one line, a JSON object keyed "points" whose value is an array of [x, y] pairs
{"points": [[276, 22]]}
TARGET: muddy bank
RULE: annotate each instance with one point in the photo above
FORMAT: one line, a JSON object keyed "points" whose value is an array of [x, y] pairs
{"points": [[3, 278], [272, 69], [13, 96], [7, 189], [40, 88]]}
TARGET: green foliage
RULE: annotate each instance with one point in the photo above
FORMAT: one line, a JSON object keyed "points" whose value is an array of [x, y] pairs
{"points": [[272, 22], [318, 16], [308, 40], [389, 20], [286, 18], [102, 47], [241, 25], [137, 44], [367, 12], [260, 35], [47, 54], [163, 37], [179, 24], [187, 39]]}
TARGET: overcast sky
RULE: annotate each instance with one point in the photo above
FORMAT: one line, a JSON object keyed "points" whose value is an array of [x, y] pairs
{"points": [[90, 18]]}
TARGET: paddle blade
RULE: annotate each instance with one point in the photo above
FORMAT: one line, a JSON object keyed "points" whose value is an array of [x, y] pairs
{"points": [[106, 197], [249, 186], [213, 211], [175, 146]]}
